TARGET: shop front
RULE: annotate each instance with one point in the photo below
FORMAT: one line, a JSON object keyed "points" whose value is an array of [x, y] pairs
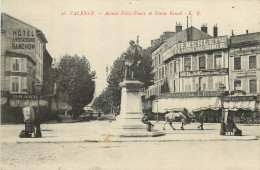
{"points": [[242, 108], [193, 102]]}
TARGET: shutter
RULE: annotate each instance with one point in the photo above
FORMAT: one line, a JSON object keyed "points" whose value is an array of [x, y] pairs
{"points": [[253, 86], [252, 62], [23, 65], [201, 62], [194, 63], [237, 63], [210, 83], [210, 61], [23, 84]]}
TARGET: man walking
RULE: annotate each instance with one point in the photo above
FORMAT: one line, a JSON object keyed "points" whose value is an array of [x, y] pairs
{"points": [[201, 119]]}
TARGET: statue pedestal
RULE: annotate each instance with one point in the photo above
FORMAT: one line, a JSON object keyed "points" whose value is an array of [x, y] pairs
{"points": [[129, 122]]}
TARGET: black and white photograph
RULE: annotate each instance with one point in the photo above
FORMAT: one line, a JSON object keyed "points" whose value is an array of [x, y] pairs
{"points": [[130, 85]]}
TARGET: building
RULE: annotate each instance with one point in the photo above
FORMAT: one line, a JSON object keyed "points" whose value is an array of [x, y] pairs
{"points": [[190, 67], [23, 52], [244, 76]]}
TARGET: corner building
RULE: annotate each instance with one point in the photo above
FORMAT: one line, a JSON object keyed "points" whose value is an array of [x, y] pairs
{"points": [[195, 69]]}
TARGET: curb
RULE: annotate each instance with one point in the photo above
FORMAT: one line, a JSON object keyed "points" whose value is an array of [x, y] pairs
{"points": [[122, 139]]}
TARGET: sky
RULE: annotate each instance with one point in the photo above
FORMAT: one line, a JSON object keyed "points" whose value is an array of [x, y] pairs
{"points": [[102, 38]]}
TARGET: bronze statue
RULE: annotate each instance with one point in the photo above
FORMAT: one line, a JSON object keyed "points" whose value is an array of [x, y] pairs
{"points": [[132, 58]]}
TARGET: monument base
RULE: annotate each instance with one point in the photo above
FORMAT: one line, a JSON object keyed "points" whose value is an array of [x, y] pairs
{"points": [[129, 122]]}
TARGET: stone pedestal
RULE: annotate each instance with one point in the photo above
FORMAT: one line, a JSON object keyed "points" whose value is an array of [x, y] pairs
{"points": [[129, 122]]}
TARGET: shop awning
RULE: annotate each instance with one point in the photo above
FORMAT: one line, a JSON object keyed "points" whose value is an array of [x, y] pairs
{"points": [[193, 103], [240, 105]]}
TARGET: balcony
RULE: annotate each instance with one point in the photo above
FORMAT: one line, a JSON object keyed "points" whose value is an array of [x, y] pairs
{"points": [[208, 72]]}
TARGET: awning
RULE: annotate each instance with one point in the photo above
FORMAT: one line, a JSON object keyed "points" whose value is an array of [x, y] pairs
{"points": [[190, 104], [240, 105]]}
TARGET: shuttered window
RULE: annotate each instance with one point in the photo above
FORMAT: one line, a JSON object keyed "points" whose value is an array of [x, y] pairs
{"points": [[218, 61], [237, 63], [252, 62], [253, 86], [16, 64], [15, 84], [202, 64]]}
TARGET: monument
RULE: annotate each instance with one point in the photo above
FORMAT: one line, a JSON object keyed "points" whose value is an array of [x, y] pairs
{"points": [[129, 122]]}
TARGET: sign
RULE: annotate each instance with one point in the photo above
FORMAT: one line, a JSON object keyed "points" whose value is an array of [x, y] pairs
{"points": [[245, 50], [24, 96], [23, 39], [212, 72], [196, 46], [239, 98], [190, 94]]}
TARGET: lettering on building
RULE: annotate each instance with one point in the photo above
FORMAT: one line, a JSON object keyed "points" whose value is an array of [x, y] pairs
{"points": [[190, 94], [239, 98], [24, 96], [196, 46], [23, 39]]}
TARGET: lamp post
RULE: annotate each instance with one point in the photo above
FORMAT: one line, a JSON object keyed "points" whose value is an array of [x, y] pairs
{"points": [[223, 128], [38, 126], [157, 111]]}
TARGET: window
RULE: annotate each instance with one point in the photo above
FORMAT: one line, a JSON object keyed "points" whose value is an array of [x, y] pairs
{"points": [[187, 84], [252, 62], [16, 64], [237, 85], [237, 63], [202, 63], [159, 59], [218, 61], [170, 68], [174, 67], [163, 72], [253, 86], [15, 84], [187, 63], [23, 84]]}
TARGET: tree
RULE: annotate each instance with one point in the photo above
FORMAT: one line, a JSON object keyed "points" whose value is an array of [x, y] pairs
{"points": [[116, 76], [75, 79], [102, 103]]}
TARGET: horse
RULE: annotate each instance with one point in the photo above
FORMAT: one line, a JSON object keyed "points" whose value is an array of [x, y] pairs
{"points": [[170, 117]]}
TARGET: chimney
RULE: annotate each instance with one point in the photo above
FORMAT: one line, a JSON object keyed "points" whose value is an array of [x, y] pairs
{"points": [[204, 28], [161, 37], [246, 31], [232, 33], [178, 27], [215, 31]]}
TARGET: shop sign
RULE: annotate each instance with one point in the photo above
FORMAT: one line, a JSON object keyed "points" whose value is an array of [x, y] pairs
{"points": [[239, 98], [190, 94], [196, 46], [22, 39], [245, 50], [211, 72], [24, 96]]}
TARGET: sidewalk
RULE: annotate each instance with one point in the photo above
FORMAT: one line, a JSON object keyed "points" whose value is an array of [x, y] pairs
{"points": [[101, 131]]}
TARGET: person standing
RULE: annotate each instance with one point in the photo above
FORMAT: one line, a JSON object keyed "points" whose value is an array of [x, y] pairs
{"points": [[201, 119]]}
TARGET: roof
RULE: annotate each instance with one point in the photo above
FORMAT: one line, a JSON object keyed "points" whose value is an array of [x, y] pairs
{"points": [[252, 38], [38, 31], [182, 36]]}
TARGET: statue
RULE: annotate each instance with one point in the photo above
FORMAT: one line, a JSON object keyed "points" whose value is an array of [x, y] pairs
{"points": [[132, 58]]}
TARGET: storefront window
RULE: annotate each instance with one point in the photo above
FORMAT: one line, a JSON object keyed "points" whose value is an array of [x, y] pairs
{"points": [[252, 62], [237, 63]]}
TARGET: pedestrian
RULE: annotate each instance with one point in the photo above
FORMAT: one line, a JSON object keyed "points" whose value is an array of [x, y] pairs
{"points": [[146, 121], [201, 119]]}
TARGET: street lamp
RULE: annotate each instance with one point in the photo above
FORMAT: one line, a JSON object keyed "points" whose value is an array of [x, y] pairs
{"points": [[38, 126], [157, 111], [222, 88]]}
